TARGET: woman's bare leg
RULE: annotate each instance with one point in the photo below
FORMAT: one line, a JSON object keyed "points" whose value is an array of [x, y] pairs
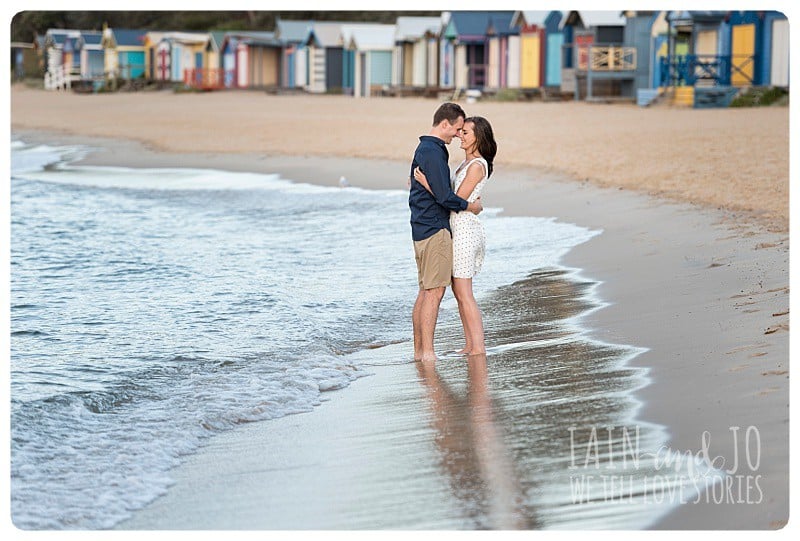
{"points": [[470, 316]]}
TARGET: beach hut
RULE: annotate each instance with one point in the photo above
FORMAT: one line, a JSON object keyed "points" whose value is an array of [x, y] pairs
{"points": [[153, 64], [25, 60], [72, 55], [759, 45], [775, 68], [464, 45], [372, 46], [698, 57], [535, 55], [124, 53], [252, 59], [499, 32], [328, 69], [581, 30], [294, 55], [177, 55], [413, 39]]}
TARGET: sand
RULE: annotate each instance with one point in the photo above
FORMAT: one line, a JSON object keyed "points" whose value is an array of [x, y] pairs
{"points": [[699, 277]]}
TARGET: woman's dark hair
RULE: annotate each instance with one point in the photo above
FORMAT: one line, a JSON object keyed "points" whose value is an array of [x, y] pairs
{"points": [[484, 140]]}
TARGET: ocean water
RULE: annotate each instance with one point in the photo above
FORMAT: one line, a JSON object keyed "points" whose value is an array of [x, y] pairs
{"points": [[154, 308]]}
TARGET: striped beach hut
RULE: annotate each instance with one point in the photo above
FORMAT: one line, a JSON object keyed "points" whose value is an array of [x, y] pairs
{"points": [[252, 59], [414, 39], [499, 32], [294, 54], [125, 53], [538, 53], [372, 46], [328, 69]]}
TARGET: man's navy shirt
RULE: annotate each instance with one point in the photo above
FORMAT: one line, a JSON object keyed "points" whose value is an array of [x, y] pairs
{"points": [[430, 213]]}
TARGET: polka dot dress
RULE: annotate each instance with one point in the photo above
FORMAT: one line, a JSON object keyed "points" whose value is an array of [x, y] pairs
{"points": [[469, 239]]}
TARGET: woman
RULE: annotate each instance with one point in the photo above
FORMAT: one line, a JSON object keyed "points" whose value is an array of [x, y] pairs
{"points": [[469, 240]]}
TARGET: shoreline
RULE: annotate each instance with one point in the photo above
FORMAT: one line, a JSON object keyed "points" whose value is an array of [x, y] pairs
{"points": [[685, 281]]}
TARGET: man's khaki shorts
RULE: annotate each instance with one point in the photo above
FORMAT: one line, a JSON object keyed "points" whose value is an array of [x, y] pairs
{"points": [[434, 257]]}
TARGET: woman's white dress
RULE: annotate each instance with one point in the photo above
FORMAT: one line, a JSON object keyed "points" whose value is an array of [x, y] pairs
{"points": [[469, 239]]}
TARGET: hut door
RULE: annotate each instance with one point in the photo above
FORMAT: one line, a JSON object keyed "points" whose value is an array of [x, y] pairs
{"points": [[554, 45], [531, 47], [743, 43], [779, 74], [241, 66]]}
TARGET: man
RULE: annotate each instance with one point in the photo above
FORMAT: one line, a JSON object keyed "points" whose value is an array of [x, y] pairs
{"points": [[430, 224]]}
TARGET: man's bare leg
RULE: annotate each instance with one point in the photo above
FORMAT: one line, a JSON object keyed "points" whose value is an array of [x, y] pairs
{"points": [[415, 321], [428, 313]]}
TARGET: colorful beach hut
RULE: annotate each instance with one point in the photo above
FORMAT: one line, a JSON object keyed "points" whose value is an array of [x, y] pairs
{"points": [[464, 46], [373, 48], [252, 59], [698, 56], [759, 47], [415, 40], [499, 32], [177, 55], [537, 54], [125, 53], [294, 55]]}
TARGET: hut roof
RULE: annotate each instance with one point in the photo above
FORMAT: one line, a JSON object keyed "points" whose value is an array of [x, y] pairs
{"points": [[500, 23], [124, 37], [413, 28], [326, 34], [369, 37], [216, 37], [590, 19], [466, 26], [522, 18], [193, 38], [292, 31]]}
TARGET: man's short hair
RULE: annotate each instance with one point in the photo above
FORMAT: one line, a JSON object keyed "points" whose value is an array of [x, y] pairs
{"points": [[448, 111]]}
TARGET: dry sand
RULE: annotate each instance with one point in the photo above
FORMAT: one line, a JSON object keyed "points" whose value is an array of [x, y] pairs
{"points": [[737, 159], [708, 299]]}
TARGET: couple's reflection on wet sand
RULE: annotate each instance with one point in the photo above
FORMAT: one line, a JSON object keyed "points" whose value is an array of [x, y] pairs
{"points": [[474, 455]]}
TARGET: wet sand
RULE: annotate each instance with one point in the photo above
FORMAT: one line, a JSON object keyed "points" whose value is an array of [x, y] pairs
{"points": [[704, 289]]}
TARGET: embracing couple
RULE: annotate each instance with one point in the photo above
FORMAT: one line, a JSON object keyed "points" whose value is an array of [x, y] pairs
{"points": [[449, 241]]}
